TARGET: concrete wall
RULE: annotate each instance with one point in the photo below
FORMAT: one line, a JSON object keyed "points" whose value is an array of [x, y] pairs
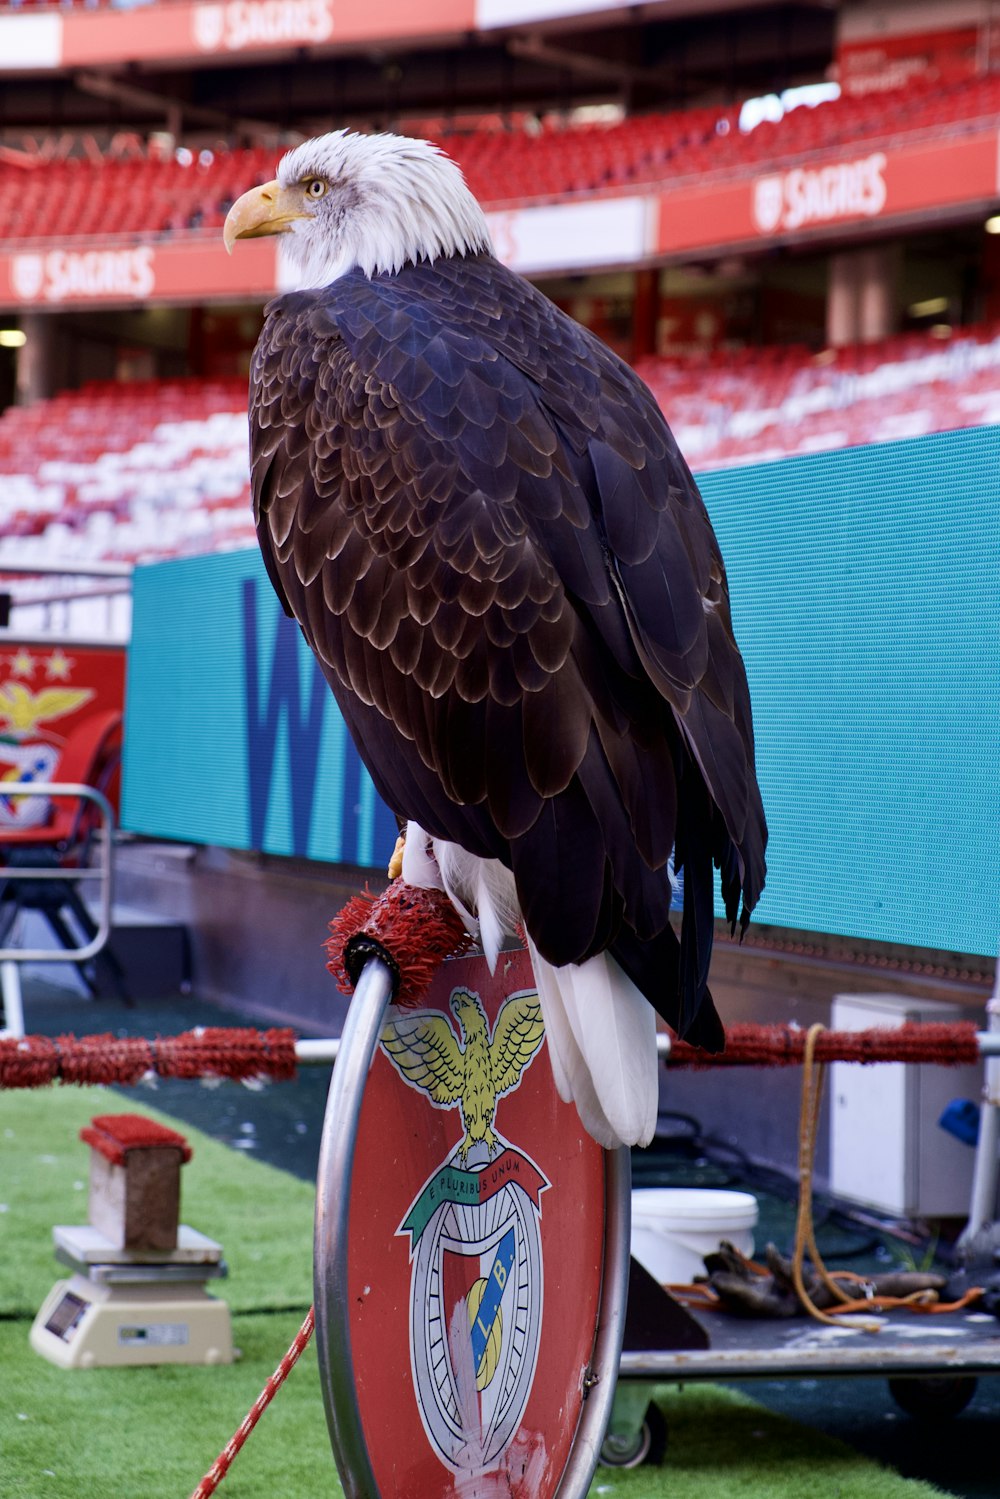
{"points": [[257, 925]]}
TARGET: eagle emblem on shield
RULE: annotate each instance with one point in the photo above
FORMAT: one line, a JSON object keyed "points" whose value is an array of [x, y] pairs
{"points": [[475, 1242]]}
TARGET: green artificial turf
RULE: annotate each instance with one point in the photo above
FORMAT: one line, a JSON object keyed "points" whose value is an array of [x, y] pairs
{"points": [[723, 1445], [150, 1433]]}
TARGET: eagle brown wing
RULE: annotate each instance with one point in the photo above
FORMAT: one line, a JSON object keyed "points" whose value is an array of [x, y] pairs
{"points": [[483, 525]]}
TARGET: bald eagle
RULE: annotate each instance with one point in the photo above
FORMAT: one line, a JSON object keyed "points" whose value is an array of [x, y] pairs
{"points": [[482, 523]]}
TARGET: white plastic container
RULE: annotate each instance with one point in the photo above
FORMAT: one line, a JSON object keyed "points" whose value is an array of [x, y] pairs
{"points": [[673, 1228]]}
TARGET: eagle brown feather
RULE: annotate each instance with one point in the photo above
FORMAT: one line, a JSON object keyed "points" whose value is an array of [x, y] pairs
{"points": [[479, 517]]}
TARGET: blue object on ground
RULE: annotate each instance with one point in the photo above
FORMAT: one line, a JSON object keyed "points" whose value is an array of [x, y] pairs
{"points": [[961, 1119]]}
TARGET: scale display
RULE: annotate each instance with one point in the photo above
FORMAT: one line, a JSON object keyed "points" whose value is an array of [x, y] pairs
{"points": [[68, 1314]]}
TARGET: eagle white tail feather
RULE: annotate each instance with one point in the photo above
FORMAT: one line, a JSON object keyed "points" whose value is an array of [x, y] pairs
{"points": [[419, 865], [482, 886], [602, 1036], [564, 1054], [481, 890], [601, 1030], [569, 1070], [491, 933]]}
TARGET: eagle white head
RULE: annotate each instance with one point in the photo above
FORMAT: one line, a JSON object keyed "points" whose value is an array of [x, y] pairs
{"points": [[368, 202]]}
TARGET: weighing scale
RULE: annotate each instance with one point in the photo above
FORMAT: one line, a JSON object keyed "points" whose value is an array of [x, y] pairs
{"points": [[123, 1307]]}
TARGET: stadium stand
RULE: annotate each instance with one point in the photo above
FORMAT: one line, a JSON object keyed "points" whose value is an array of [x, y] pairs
{"points": [[158, 468], [192, 190], [741, 406], [136, 194], [117, 472], [503, 165]]}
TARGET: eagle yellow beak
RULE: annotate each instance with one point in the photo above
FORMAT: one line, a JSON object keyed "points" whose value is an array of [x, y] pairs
{"points": [[263, 210]]}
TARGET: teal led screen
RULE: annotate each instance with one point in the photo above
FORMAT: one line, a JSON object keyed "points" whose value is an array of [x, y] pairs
{"points": [[232, 736], [865, 599]]}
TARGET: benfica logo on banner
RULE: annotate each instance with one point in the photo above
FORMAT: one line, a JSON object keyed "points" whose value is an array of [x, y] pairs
{"points": [[475, 1269], [47, 695]]}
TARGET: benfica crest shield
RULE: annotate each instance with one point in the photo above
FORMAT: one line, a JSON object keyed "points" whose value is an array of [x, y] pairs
{"points": [[464, 1283]]}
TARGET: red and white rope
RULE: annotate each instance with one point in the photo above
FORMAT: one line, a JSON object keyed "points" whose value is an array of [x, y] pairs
{"points": [[223, 1462]]}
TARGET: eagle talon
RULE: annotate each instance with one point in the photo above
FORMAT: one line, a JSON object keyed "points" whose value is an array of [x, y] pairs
{"points": [[396, 862]]}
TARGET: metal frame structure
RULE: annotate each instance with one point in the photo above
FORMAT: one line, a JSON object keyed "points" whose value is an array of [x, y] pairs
{"points": [[360, 1038], [118, 584], [13, 958], [964, 1345]]}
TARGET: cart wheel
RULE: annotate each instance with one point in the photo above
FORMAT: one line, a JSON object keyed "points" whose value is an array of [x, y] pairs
{"points": [[939, 1397], [647, 1445]]}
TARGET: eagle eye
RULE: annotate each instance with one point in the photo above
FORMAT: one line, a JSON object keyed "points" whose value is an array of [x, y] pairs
{"points": [[316, 187]]}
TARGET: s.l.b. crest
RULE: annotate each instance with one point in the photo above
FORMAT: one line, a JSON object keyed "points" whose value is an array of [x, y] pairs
{"points": [[475, 1244]]}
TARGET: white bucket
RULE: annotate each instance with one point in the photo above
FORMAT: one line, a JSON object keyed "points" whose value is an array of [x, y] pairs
{"points": [[673, 1228]]}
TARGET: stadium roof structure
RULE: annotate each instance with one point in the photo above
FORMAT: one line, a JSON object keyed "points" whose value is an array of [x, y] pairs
{"points": [[221, 64], [199, 32]]}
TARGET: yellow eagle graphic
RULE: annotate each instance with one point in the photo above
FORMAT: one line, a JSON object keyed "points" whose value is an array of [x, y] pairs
{"points": [[22, 711], [426, 1052]]}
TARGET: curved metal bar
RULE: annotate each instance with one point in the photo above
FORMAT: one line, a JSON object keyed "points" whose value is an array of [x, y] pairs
{"points": [[362, 1029], [322, 1052], [603, 1373]]}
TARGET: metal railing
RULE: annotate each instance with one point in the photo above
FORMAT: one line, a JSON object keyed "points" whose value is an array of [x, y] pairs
{"points": [[44, 586], [13, 958]]}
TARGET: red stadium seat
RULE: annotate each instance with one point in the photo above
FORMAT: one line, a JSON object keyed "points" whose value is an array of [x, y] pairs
{"points": [[503, 165], [159, 468]]}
